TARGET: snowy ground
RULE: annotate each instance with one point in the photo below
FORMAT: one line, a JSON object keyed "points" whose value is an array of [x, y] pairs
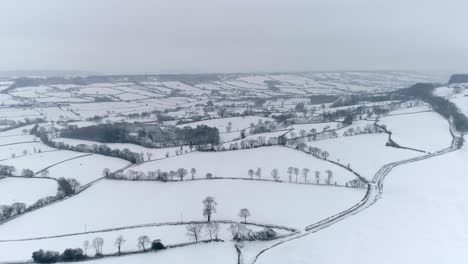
{"points": [[236, 163], [28, 191], [87, 168], [156, 153], [238, 123], [169, 235], [19, 149], [118, 203], [430, 134], [366, 154], [198, 254], [39, 161], [421, 219]]}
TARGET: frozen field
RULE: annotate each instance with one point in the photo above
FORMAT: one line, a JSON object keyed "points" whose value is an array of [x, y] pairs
{"points": [[236, 163], [430, 134], [365, 153], [156, 153], [118, 203], [169, 234], [87, 168], [7, 140], [7, 151], [421, 219], [28, 191], [198, 254], [39, 161]]}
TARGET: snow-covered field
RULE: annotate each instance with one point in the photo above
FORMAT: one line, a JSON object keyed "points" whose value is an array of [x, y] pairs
{"points": [[366, 154], [118, 203], [238, 162], [198, 254], [238, 123], [168, 234], [7, 151], [23, 190], [156, 153], [39, 161], [87, 168], [421, 219], [430, 134]]}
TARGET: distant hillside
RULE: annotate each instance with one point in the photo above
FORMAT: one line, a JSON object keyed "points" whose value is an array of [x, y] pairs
{"points": [[459, 78]]}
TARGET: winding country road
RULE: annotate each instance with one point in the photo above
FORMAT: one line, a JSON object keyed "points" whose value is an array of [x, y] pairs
{"points": [[373, 194]]}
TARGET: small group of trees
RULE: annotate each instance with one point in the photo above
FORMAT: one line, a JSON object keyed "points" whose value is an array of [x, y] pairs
{"points": [[66, 187], [249, 143], [262, 127], [68, 255], [240, 232], [368, 129], [7, 170], [356, 183], [158, 175], [7, 211], [293, 173], [77, 254], [257, 173]]}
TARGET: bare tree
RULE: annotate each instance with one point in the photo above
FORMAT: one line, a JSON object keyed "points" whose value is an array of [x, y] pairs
{"points": [[317, 176], [296, 172], [172, 174], [325, 155], [251, 173], [119, 242], [244, 213], [275, 174], [212, 229], [181, 173], [143, 242], [258, 173], [97, 245], [194, 231], [209, 207], [290, 173], [27, 173], [149, 155], [305, 174], [193, 171], [85, 247], [329, 176]]}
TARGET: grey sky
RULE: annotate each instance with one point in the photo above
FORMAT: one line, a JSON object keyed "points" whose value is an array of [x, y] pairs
{"points": [[233, 35]]}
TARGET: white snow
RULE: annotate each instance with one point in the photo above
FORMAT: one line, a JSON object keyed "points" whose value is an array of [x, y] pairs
{"points": [[421, 219], [25, 190], [118, 203], [236, 163], [88, 168], [430, 134]]}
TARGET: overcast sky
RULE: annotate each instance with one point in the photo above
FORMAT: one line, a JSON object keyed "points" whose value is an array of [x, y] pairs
{"points": [[136, 36]]}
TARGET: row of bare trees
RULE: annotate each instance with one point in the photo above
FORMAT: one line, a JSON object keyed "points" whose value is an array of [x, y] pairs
{"points": [[294, 172], [157, 175]]}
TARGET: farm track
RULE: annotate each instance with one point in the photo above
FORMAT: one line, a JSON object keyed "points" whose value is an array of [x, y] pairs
{"points": [[374, 193]]}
